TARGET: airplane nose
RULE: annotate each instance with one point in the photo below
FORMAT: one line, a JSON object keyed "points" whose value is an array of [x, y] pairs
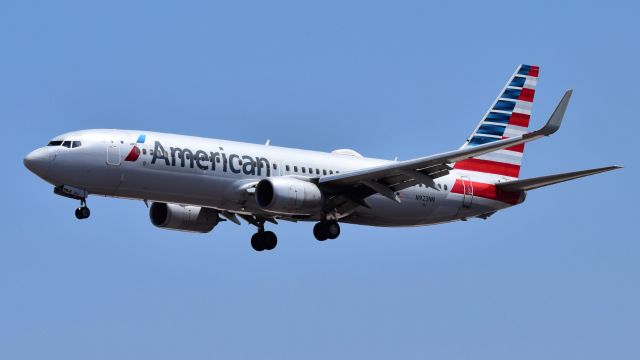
{"points": [[38, 161]]}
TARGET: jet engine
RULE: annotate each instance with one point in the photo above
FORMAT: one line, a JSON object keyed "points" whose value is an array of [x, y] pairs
{"points": [[183, 217], [287, 195]]}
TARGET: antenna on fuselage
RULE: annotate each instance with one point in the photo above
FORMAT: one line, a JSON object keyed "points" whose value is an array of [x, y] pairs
{"points": [[268, 142]]}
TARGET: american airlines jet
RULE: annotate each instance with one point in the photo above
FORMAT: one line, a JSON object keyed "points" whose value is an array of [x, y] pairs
{"points": [[195, 183]]}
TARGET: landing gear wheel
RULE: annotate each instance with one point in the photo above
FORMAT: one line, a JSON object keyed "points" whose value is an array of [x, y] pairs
{"points": [[332, 229], [264, 240], [326, 230], [270, 240], [319, 232], [256, 242], [85, 212], [82, 212]]}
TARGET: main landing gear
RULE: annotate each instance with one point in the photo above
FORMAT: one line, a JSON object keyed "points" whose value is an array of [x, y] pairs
{"points": [[263, 240], [326, 230], [83, 211]]}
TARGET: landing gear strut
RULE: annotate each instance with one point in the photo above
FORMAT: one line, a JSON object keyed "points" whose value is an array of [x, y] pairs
{"points": [[83, 211], [326, 230], [263, 240]]}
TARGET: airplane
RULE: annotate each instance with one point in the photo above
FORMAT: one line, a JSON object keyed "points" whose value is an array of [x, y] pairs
{"points": [[194, 183]]}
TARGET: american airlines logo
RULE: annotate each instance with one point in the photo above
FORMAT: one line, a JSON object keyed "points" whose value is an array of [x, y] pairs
{"points": [[211, 160], [135, 150]]}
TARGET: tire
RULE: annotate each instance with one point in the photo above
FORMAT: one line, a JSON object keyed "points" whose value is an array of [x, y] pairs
{"points": [[257, 242], [85, 212], [332, 229], [79, 214], [319, 231], [270, 240]]}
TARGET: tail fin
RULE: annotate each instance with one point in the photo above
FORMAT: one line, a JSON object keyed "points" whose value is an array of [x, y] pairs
{"points": [[507, 117]]}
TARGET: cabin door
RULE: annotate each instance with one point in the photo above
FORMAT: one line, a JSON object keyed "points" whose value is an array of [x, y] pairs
{"points": [[113, 154]]}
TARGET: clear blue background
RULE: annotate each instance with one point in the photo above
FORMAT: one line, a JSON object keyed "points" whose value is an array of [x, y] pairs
{"points": [[556, 278]]}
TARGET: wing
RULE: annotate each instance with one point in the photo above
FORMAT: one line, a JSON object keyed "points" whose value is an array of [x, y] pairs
{"points": [[351, 188]]}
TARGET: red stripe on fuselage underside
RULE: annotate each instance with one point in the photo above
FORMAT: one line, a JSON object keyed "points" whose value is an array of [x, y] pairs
{"points": [[488, 166], [487, 191], [527, 95], [519, 119]]}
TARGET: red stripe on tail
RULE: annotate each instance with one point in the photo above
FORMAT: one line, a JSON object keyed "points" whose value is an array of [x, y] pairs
{"points": [[488, 166], [527, 94], [519, 119]]}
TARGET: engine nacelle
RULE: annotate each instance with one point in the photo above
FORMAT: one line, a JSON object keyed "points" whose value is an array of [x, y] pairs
{"points": [[287, 195], [183, 217]]}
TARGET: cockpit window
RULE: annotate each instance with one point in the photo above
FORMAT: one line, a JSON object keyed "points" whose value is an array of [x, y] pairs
{"points": [[66, 144], [55, 143], [75, 144]]}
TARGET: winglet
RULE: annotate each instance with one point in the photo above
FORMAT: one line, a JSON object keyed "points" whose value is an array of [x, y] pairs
{"points": [[554, 122]]}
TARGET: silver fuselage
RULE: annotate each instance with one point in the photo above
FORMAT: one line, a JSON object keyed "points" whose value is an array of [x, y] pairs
{"points": [[164, 171]]}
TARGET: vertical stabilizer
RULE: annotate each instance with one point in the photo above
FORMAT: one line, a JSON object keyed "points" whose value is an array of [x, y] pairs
{"points": [[507, 117]]}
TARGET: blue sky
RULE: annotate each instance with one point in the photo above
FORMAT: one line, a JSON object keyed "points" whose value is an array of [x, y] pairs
{"points": [[555, 278]]}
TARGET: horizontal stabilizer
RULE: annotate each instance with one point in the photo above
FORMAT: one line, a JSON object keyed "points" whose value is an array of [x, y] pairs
{"points": [[537, 182]]}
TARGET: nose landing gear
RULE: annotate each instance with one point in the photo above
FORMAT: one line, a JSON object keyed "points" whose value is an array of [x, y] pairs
{"points": [[83, 211], [71, 192]]}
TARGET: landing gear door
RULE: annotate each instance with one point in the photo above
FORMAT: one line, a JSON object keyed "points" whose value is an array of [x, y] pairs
{"points": [[113, 154], [468, 191]]}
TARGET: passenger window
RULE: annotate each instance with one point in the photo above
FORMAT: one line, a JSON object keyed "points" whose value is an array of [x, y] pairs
{"points": [[303, 169], [288, 168], [55, 143], [75, 144], [295, 169], [317, 171], [67, 144], [275, 167], [330, 172], [324, 172], [445, 187], [144, 151]]}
